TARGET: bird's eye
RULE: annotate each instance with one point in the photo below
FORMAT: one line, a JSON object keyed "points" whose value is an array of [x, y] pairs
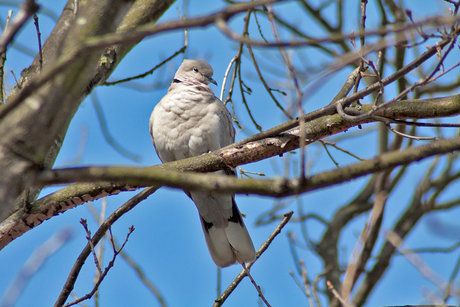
{"points": [[195, 69]]}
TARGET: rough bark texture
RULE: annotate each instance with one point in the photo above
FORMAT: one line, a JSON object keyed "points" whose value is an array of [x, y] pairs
{"points": [[76, 194], [35, 128]]}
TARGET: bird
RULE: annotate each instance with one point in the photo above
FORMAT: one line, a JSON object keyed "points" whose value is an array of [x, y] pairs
{"points": [[189, 121]]}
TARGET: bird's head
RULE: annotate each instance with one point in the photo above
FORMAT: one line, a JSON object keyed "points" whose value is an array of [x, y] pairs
{"points": [[195, 70]]}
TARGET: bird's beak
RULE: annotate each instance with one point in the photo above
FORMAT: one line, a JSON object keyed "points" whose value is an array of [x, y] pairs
{"points": [[211, 80]]}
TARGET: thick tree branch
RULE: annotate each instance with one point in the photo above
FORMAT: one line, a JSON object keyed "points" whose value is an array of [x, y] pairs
{"points": [[131, 178], [131, 203], [164, 175], [129, 38], [142, 12], [24, 147], [220, 20], [51, 97]]}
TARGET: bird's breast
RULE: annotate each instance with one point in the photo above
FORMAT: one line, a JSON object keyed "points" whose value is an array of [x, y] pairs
{"points": [[185, 125]]}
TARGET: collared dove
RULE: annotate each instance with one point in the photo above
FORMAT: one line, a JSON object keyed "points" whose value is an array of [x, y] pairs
{"points": [[189, 121]]}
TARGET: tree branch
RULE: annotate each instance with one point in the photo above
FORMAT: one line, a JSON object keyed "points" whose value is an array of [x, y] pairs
{"points": [[279, 187], [96, 238], [132, 178], [29, 7], [25, 148]]}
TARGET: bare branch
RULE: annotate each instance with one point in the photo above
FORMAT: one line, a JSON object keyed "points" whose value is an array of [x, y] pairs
{"points": [[29, 7], [271, 187], [96, 238], [102, 275], [219, 301]]}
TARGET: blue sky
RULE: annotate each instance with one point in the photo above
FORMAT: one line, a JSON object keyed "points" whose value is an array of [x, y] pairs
{"points": [[168, 242]]}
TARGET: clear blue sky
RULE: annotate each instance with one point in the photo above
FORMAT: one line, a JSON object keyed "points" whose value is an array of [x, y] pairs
{"points": [[168, 242]]}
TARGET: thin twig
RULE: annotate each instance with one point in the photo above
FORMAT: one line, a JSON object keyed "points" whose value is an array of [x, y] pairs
{"points": [[149, 72], [219, 301], [237, 61], [448, 291], [245, 173], [329, 154], [243, 87], [337, 295], [105, 132], [106, 270], [262, 79], [419, 124], [417, 138], [416, 261], [14, 76], [224, 82], [2, 63], [39, 36], [28, 8], [341, 149], [100, 248], [299, 93], [366, 242], [428, 79], [248, 274], [306, 282], [91, 245], [69, 285]]}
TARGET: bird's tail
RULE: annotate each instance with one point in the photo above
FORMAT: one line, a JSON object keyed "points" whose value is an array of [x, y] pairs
{"points": [[231, 243]]}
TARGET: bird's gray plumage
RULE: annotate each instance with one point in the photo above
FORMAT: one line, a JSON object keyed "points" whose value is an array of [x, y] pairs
{"points": [[189, 121]]}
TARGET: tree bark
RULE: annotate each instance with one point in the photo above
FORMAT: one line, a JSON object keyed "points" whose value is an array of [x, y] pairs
{"points": [[34, 128]]}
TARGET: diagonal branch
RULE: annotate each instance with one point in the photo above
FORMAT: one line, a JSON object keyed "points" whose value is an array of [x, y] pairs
{"points": [[68, 286], [219, 301], [131, 178], [23, 146], [29, 7], [165, 175]]}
